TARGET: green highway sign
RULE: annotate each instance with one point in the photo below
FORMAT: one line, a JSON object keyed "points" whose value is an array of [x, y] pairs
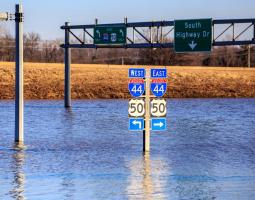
{"points": [[194, 35], [110, 35]]}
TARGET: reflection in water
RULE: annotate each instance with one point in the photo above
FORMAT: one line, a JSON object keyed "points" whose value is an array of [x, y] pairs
{"points": [[147, 179], [68, 187], [19, 177], [67, 183]]}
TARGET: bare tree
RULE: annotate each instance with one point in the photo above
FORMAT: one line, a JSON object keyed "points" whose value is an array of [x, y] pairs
{"points": [[31, 45]]}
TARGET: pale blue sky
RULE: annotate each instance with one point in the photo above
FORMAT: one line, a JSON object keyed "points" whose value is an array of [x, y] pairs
{"points": [[46, 16]]}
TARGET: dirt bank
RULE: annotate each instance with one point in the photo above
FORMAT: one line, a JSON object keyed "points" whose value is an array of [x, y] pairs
{"points": [[46, 81]]}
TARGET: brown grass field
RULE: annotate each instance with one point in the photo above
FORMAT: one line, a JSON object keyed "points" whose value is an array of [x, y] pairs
{"points": [[46, 81]]}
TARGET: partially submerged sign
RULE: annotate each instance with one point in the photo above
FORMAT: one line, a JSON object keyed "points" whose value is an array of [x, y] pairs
{"points": [[194, 35], [110, 35]]}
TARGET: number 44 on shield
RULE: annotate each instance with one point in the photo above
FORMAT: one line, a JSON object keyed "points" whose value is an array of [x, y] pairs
{"points": [[158, 87]]}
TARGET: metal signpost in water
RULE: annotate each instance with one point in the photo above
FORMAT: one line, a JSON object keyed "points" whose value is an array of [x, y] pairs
{"points": [[153, 111], [19, 99], [137, 106], [158, 106]]}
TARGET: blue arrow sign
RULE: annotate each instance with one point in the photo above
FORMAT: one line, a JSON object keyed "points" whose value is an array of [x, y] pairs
{"points": [[136, 87], [158, 124], [136, 73], [136, 124], [158, 88], [158, 73]]}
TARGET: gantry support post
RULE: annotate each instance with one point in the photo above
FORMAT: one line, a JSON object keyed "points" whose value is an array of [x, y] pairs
{"points": [[67, 68]]}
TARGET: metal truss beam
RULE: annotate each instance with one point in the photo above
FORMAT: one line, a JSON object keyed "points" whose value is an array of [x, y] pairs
{"points": [[159, 34]]}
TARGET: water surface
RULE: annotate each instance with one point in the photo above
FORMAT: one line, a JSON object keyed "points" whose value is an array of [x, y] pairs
{"points": [[87, 152]]}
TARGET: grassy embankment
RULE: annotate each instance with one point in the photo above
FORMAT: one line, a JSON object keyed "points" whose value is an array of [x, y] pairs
{"points": [[46, 81]]}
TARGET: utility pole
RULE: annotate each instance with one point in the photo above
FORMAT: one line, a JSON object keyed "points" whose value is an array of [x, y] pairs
{"points": [[19, 99]]}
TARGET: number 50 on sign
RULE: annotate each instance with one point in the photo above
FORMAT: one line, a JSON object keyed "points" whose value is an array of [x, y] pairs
{"points": [[158, 107], [136, 108]]}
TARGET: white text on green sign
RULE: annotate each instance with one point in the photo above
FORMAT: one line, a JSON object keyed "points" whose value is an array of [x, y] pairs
{"points": [[193, 35]]}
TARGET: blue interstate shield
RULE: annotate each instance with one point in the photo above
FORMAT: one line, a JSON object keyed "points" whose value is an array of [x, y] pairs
{"points": [[136, 87], [158, 87]]}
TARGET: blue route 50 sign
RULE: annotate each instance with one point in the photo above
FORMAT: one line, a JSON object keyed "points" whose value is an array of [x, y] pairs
{"points": [[158, 87], [136, 87]]}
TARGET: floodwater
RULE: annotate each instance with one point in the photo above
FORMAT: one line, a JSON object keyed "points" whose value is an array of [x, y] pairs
{"points": [[87, 152]]}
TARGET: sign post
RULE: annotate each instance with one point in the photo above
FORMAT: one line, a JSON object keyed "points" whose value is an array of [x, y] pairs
{"points": [[146, 132], [67, 69], [19, 99], [137, 105], [194, 35], [142, 108], [158, 105]]}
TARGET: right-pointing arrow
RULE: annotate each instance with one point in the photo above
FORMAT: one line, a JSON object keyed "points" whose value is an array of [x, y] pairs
{"points": [[192, 45], [160, 124]]}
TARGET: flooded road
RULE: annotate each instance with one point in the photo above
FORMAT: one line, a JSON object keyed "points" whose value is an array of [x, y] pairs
{"points": [[87, 152]]}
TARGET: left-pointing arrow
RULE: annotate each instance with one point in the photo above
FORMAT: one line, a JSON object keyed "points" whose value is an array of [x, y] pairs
{"points": [[137, 122]]}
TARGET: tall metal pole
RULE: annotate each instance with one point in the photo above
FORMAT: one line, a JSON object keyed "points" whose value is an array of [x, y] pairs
{"points": [[146, 132], [249, 55], [19, 101], [67, 69]]}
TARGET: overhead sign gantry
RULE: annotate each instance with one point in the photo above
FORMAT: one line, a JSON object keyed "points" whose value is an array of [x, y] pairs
{"points": [[157, 31]]}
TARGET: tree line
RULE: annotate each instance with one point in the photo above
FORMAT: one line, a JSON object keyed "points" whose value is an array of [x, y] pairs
{"points": [[38, 50]]}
